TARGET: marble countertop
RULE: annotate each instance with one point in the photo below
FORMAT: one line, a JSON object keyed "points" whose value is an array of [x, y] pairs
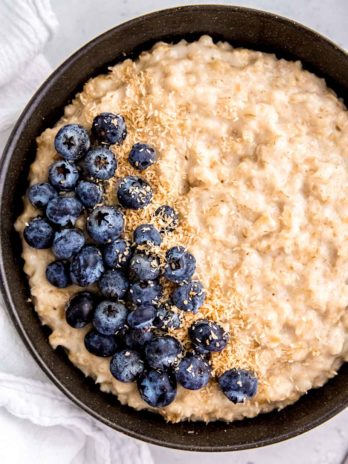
{"points": [[80, 22]]}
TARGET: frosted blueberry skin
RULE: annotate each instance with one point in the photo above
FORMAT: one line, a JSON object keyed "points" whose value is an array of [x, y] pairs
{"points": [[144, 267], [145, 293], [67, 243], [113, 284], [86, 266], [72, 142], [208, 335], [109, 317], [80, 309], [64, 211], [147, 234], [167, 218], [109, 128], [137, 338], [100, 163], [141, 317], [189, 296], [89, 193], [100, 345], [38, 233], [180, 264], [157, 388], [142, 156], [117, 254], [105, 224], [63, 175], [166, 318], [163, 352], [40, 194], [193, 372], [58, 275], [238, 385], [126, 365], [134, 193]]}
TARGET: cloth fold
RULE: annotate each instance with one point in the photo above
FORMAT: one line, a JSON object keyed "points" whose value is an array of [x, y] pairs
{"points": [[37, 422]]}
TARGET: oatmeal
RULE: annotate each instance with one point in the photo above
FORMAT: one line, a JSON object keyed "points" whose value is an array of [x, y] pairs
{"points": [[252, 154]]}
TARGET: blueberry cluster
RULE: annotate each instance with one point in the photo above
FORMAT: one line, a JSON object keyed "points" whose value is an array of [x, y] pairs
{"points": [[129, 316]]}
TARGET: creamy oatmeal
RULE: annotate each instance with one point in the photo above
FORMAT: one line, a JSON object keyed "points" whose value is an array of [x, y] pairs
{"points": [[253, 155]]}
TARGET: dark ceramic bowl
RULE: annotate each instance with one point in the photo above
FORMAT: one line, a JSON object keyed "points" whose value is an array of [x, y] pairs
{"points": [[241, 27]]}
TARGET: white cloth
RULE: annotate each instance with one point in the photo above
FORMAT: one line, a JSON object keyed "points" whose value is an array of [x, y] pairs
{"points": [[37, 422]]}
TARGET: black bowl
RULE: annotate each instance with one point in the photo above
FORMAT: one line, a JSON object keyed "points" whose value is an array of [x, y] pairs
{"points": [[241, 27]]}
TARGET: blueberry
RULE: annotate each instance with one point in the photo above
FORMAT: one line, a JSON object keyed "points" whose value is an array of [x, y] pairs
{"points": [[64, 211], [193, 372], [99, 344], [142, 156], [117, 254], [63, 175], [126, 365], [162, 352], [134, 192], [113, 284], [40, 194], [72, 142], [189, 296], [89, 193], [166, 218], [86, 266], [137, 338], [147, 234], [80, 309], [105, 223], [38, 233], [57, 273], [238, 385], [144, 267], [67, 242], [109, 128], [180, 265], [208, 334], [158, 389], [142, 317], [166, 318], [109, 317], [143, 293], [100, 163]]}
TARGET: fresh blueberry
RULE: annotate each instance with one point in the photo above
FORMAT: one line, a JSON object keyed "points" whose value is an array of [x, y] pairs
{"points": [[57, 273], [113, 284], [142, 156], [158, 389], [117, 254], [109, 128], [89, 193], [100, 163], [142, 317], [238, 385], [147, 234], [72, 142], [193, 372], [105, 224], [163, 352], [109, 317], [126, 365], [189, 296], [166, 318], [40, 194], [86, 266], [80, 309], [38, 233], [64, 211], [144, 293], [99, 344], [144, 267], [137, 338], [63, 175], [180, 265], [208, 334], [67, 242], [166, 218], [134, 192]]}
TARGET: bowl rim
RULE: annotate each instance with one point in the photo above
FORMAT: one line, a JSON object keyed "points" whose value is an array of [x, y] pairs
{"points": [[4, 284]]}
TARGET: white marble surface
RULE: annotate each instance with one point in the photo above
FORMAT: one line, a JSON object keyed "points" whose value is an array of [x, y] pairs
{"points": [[82, 20]]}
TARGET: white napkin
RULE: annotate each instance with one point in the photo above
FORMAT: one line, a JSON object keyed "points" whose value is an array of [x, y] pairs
{"points": [[38, 424]]}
